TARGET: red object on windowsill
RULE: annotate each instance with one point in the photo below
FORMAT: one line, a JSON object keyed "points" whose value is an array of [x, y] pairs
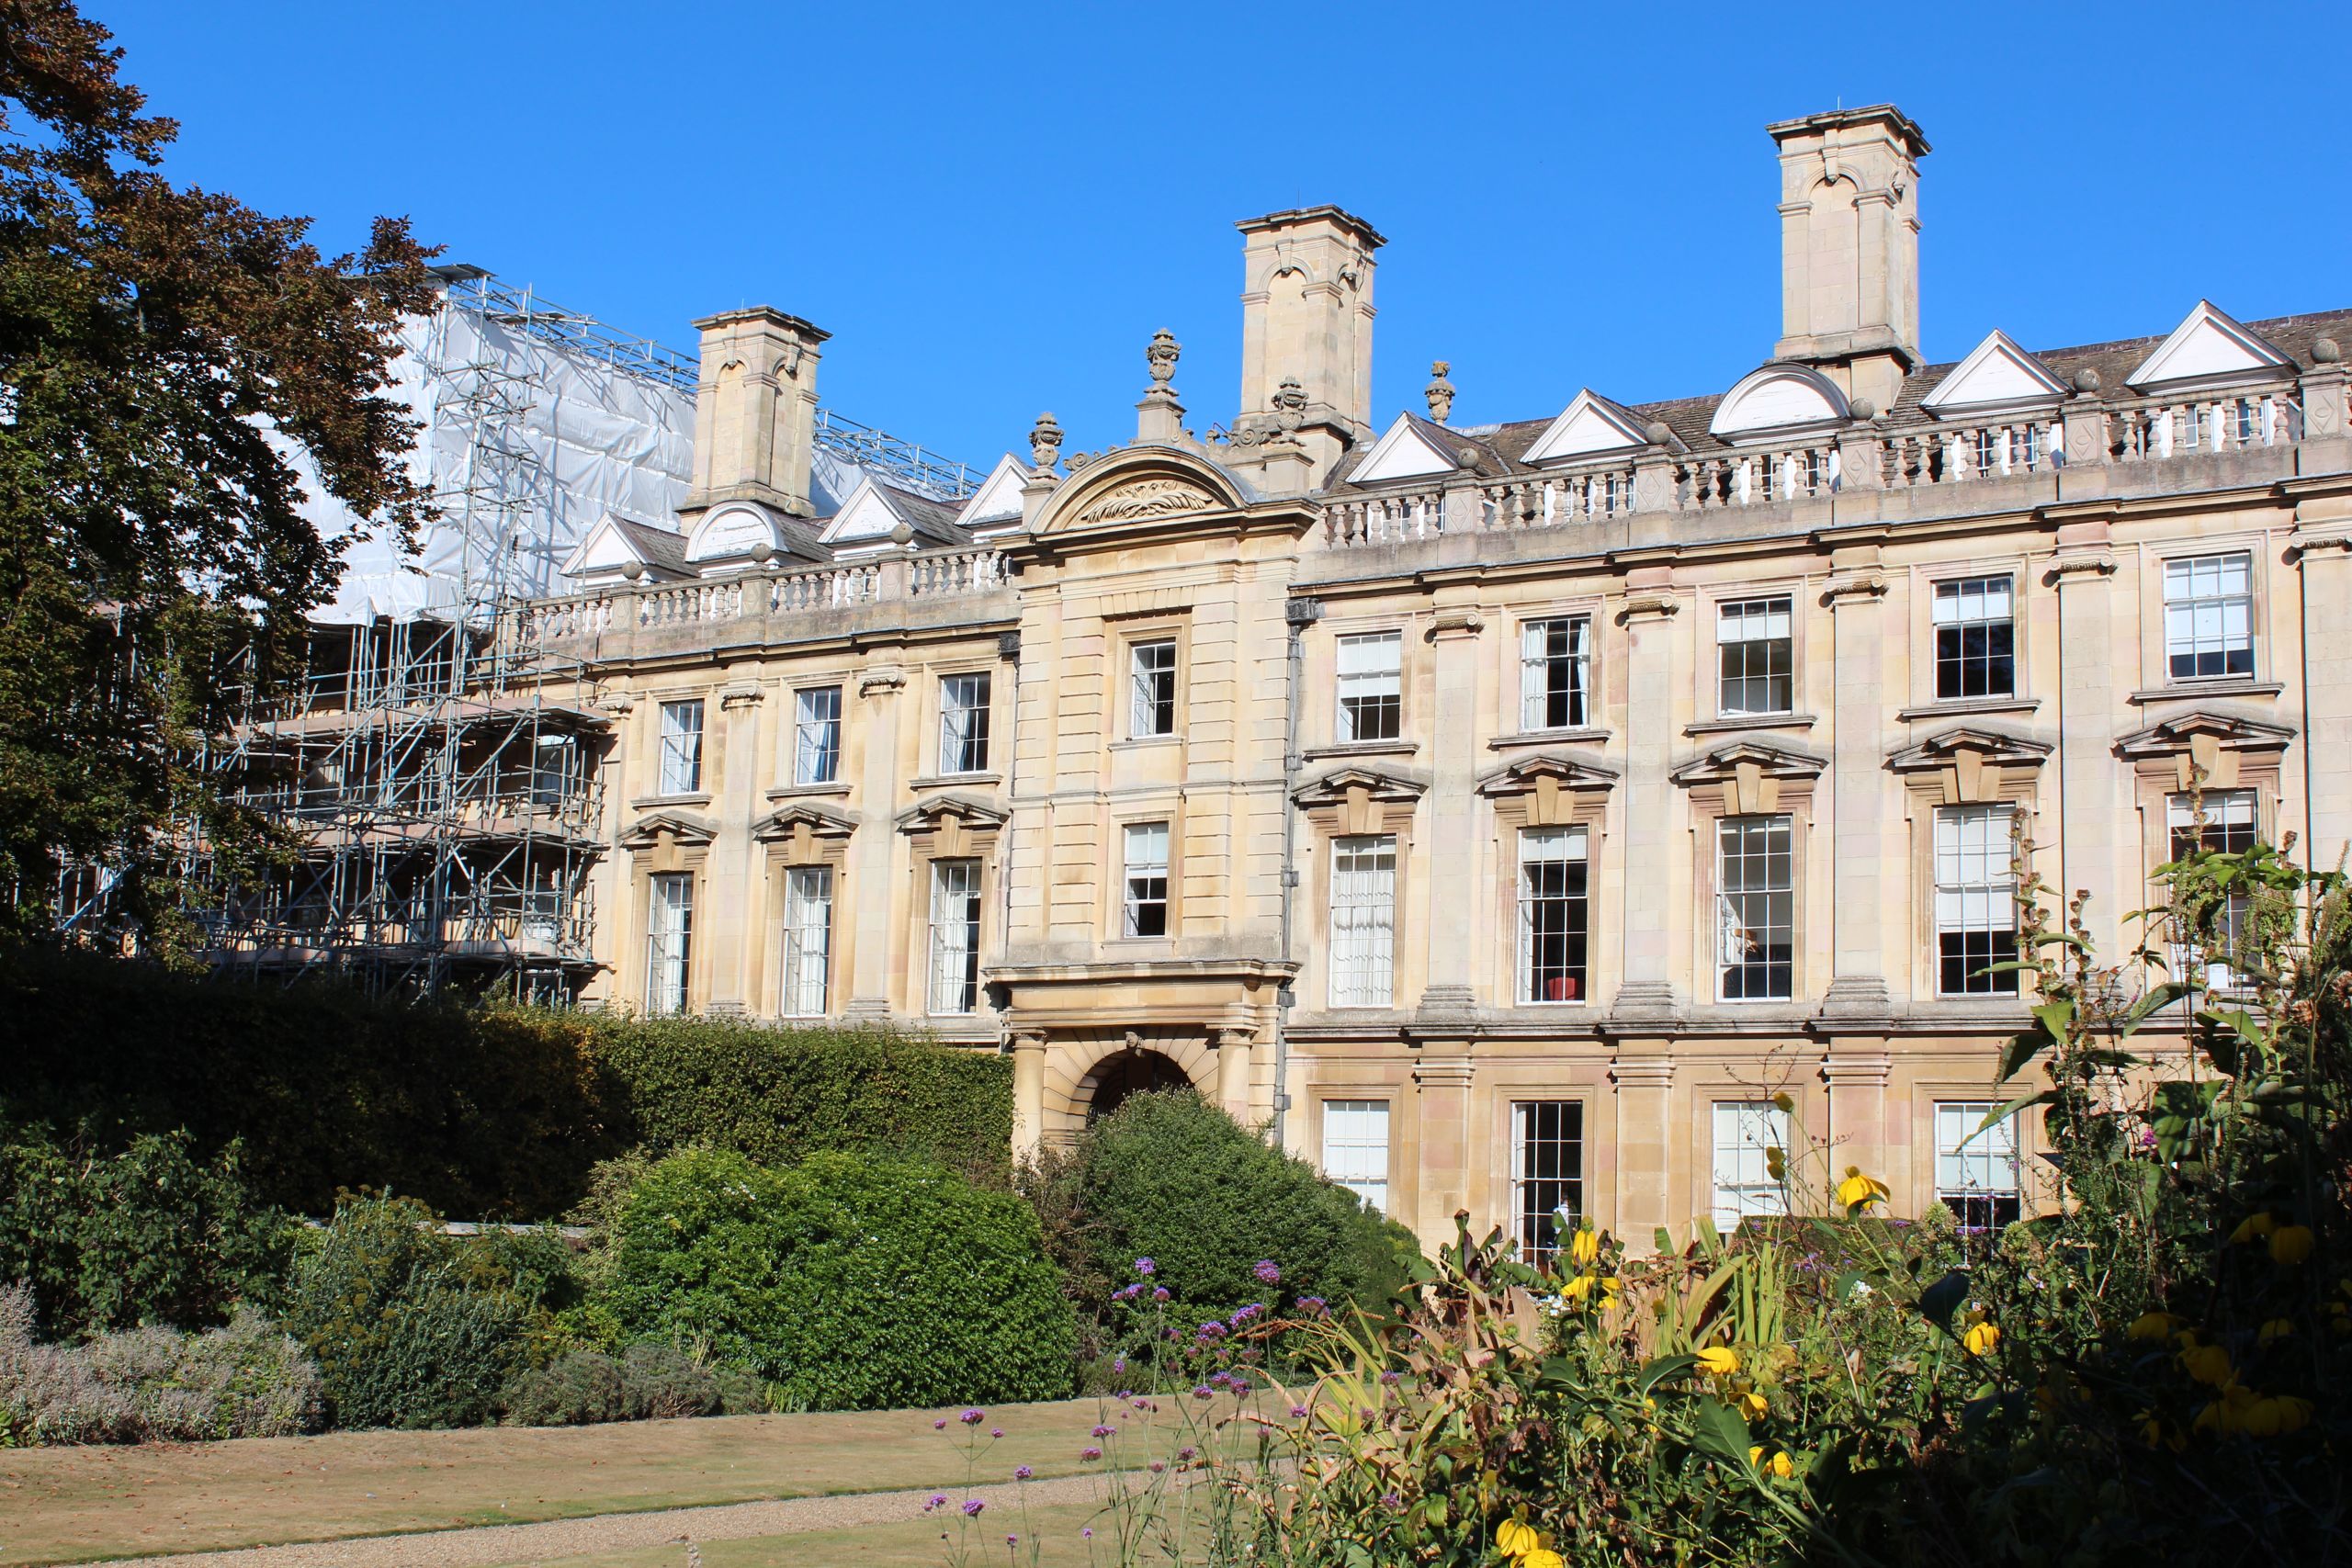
{"points": [[1560, 988]]}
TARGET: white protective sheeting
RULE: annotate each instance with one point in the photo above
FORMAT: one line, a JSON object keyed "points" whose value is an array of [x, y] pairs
{"points": [[528, 444]]}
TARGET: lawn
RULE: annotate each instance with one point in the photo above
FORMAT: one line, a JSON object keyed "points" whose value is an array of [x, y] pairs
{"points": [[915, 1544], [70, 1505]]}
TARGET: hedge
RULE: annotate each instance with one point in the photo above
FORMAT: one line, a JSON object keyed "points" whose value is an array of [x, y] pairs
{"points": [[493, 1111]]}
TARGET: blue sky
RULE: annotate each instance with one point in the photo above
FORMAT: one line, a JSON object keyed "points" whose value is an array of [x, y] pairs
{"points": [[991, 208]]}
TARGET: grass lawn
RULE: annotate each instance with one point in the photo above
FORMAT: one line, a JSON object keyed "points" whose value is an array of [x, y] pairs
{"points": [[70, 1505], [915, 1544]]}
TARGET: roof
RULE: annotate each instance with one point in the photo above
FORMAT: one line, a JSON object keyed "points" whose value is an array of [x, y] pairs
{"points": [[662, 547], [1495, 451]]}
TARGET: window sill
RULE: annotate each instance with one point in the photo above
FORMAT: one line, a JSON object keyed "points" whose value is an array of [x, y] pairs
{"points": [[646, 802], [953, 781], [1146, 742], [1957, 707], [2216, 687], [1360, 748], [1737, 722], [794, 792], [1585, 735]]}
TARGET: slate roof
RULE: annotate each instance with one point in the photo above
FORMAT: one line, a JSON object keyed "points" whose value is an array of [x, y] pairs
{"points": [[664, 548], [1500, 450]]}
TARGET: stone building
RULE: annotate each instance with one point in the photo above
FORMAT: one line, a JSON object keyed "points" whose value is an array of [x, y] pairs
{"points": [[1508, 813]]}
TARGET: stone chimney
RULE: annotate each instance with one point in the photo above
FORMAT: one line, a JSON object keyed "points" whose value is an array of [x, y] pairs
{"points": [[755, 411], [1850, 247], [1306, 315]]}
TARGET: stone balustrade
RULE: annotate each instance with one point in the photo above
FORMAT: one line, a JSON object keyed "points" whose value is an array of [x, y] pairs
{"points": [[2263, 426]]}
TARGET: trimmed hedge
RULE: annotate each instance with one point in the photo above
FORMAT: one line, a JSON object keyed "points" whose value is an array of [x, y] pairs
{"points": [[496, 1111]]}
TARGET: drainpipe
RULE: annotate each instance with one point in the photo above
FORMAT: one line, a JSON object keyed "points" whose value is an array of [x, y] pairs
{"points": [[1299, 615]]}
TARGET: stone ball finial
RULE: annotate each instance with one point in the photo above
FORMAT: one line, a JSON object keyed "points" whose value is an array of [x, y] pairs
{"points": [[633, 570], [1658, 431], [2087, 380], [903, 533], [2326, 351], [1863, 408]]}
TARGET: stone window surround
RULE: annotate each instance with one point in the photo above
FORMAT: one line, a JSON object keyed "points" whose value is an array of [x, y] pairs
{"points": [[944, 829], [792, 838], [934, 706], [1915, 1190], [1355, 803], [1505, 1084], [1114, 876], [2259, 548], [788, 731], [1984, 775], [1763, 796], [1516, 619], [646, 784], [660, 845], [1925, 579], [2163, 770], [1703, 1084], [1319, 711], [1801, 592], [1549, 792], [1398, 1099], [1124, 633]]}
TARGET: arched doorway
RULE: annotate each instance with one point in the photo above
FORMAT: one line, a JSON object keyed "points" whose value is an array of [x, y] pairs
{"points": [[1132, 1071]]}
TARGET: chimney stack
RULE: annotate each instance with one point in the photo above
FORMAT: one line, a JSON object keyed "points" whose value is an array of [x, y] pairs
{"points": [[1849, 246], [755, 411], [1306, 314]]}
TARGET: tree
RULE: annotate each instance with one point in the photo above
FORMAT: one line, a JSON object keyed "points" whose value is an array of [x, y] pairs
{"points": [[163, 352]]}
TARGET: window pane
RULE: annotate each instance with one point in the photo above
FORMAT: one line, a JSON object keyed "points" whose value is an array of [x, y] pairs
{"points": [[1355, 1147], [2209, 617], [1756, 909], [1371, 690], [1975, 899], [807, 938], [1363, 921], [1146, 912], [1151, 670], [1745, 1133], [955, 981], [1976, 639], [964, 723], [1757, 655], [817, 736], [1553, 914], [1547, 1171], [680, 747], [1556, 661], [1977, 1173], [669, 941]]}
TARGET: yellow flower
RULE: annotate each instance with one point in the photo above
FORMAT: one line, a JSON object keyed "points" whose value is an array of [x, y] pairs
{"points": [[1787, 1107], [1858, 1191], [2209, 1364], [2153, 1325], [2294, 1413], [1578, 1288], [1516, 1538], [2252, 1226], [1753, 1405], [2290, 1244], [1611, 1286], [1720, 1361], [1779, 1464], [1584, 1249], [2277, 1328], [1542, 1557], [1980, 1339], [1755, 1453]]}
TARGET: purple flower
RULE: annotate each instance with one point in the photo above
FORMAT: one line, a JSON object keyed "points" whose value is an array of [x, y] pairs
{"points": [[972, 1506], [1204, 1391], [938, 1500], [1146, 1266], [1104, 1432], [1266, 1271], [996, 1431], [1390, 1500], [1086, 1534], [1242, 1387], [1158, 1465], [940, 1425], [1298, 1412], [1119, 1364], [971, 1418], [1090, 1453], [1159, 1293], [1211, 1331], [1185, 1454], [1021, 1472], [1389, 1378], [1313, 1303]]}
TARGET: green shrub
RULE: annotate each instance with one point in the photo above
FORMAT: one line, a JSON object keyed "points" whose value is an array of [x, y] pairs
{"points": [[247, 1380], [647, 1382], [410, 1328], [580, 1388], [150, 1234], [851, 1283], [1169, 1177]]}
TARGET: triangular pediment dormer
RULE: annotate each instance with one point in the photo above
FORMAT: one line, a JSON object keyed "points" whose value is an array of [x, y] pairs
{"points": [[995, 507], [616, 549], [866, 518], [1408, 451], [1996, 376], [1590, 426], [652, 829], [1779, 401], [2208, 349]]}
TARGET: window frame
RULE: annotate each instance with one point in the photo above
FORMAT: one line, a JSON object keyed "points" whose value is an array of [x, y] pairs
{"points": [[936, 927], [1140, 891], [1357, 1180], [1575, 901], [2005, 627], [792, 1001], [1971, 1148], [1538, 667], [1953, 864], [678, 750], [1348, 721], [1161, 695], [1751, 1197], [1369, 933], [1529, 1223], [826, 751], [1724, 909], [1751, 607], [2231, 827], [2245, 600], [976, 737], [668, 995]]}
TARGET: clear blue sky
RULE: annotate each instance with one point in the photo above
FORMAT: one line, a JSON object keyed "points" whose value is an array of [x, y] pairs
{"points": [[992, 207]]}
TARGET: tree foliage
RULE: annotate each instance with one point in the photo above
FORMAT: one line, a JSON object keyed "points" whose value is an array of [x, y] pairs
{"points": [[163, 353]]}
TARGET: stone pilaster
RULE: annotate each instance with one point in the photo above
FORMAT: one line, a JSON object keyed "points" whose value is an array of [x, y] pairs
{"points": [[1454, 933], [882, 689], [1233, 1073], [1858, 810], [2322, 549], [1644, 1073], [1857, 1070], [1651, 803], [1028, 1094], [1442, 1082], [727, 929], [2092, 808]]}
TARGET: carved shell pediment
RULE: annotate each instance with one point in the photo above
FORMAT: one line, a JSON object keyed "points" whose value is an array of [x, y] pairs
{"points": [[1154, 497]]}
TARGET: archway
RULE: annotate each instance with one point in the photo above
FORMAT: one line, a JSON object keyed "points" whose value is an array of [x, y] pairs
{"points": [[1132, 1071]]}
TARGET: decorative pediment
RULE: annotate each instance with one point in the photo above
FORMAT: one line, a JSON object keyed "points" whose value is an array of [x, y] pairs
{"points": [[1589, 426], [1560, 770], [997, 504], [1996, 376], [788, 821], [933, 812], [1406, 451], [2208, 349], [617, 549], [1990, 746], [1335, 787], [1778, 400], [1138, 484], [1772, 762], [868, 516], [2207, 747], [655, 829], [737, 531]]}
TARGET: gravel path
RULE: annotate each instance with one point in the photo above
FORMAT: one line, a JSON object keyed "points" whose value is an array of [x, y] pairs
{"points": [[493, 1545]]}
